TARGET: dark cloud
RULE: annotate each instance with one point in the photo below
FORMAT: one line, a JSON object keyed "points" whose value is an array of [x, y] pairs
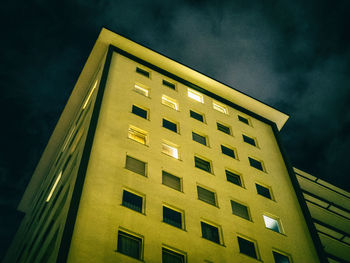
{"points": [[293, 55]]}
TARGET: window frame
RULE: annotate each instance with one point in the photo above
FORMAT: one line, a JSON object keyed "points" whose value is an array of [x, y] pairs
{"points": [[180, 211], [195, 94], [145, 165], [142, 196], [218, 227], [234, 151], [256, 249], [244, 120], [206, 143], [170, 102], [224, 125], [142, 109], [180, 181], [137, 132], [266, 187], [242, 205], [174, 251], [263, 169], [131, 235], [169, 84], [143, 72], [171, 146], [141, 89], [220, 107], [250, 138], [234, 173], [211, 170], [199, 114], [216, 204], [172, 122]]}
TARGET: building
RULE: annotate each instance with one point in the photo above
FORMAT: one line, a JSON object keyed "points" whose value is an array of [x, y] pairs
{"points": [[154, 161], [330, 210]]}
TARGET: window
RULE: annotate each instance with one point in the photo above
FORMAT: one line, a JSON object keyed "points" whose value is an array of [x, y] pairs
{"points": [[219, 107], [272, 224], [210, 232], [264, 191], [171, 180], [223, 128], [170, 150], [132, 201], [58, 178], [196, 116], [202, 164], [247, 247], [137, 135], [240, 210], [199, 138], [169, 84], [233, 178], [242, 119], [172, 217], [135, 165], [170, 125], [228, 151], [170, 256], [249, 140], [280, 258], [195, 95], [143, 72], [256, 164], [206, 195], [141, 90], [167, 101], [129, 245], [139, 112]]}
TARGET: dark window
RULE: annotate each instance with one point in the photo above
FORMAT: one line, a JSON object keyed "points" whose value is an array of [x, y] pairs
{"points": [[206, 195], [196, 116], [135, 165], [240, 210], [129, 245], [242, 119], [210, 232], [170, 125], [172, 217], [223, 128], [249, 140], [171, 180], [233, 178], [227, 151], [142, 72], [202, 164], [279, 258], [139, 112], [256, 164], [169, 256], [247, 247], [199, 138], [132, 201], [168, 84], [264, 191]]}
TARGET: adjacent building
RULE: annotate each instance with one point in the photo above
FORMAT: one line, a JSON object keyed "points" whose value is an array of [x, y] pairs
{"points": [[153, 161], [330, 210]]}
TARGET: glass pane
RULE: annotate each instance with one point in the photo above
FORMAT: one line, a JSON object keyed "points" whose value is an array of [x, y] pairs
{"points": [[206, 195], [196, 116], [233, 178], [199, 138], [129, 245], [195, 95], [248, 140], [210, 232], [170, 125], [132, 201], [279, 258], [246, 247], [140, 112], [240, 210], [242, 119], [169, 150], [223, 128], [227, 151], [272, 224], [142, 72], [168, 84], [169, 256], [141, 90], [172, 217], [255, 163], [135, 165], [171, 181], [202, 164], [263, 191]]}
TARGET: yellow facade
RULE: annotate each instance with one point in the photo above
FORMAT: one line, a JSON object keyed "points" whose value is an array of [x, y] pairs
{"points": [[99, 212]]}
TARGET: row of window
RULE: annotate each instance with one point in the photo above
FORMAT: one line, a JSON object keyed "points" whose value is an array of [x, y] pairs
{"points": [[131, 244]]}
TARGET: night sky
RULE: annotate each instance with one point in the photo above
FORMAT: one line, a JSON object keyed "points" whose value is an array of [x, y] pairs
{"points": [[292, 55]]}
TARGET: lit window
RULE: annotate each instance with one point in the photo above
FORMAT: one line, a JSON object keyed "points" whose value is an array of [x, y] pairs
{"points": [[137, 135], [170, 150], [141, 90], [139, 111], [172, 217], [249, 140], [206, 195], [280, 258], [143, 72], [228, 151], [171, 180], [256, 164], [170, 256], [247, 247], [223, 128], [89, 96], [169, 84], [242, 119], [202, 164], [272, 224], [195, 95], [199, 138], [264, 191], [54, 186], [210, 232], [169, 102], [233, 178], [170, 125], [240, 210], [197, 116], [132, 201], [135, 165], [129, 245], [219, 107]]}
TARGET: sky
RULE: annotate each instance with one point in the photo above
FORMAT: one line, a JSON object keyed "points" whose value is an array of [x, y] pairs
{"points": [[292, 55]]}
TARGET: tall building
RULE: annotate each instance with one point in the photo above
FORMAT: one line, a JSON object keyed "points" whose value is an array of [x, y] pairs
{"points": [[330, 210], [153, 161]]}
